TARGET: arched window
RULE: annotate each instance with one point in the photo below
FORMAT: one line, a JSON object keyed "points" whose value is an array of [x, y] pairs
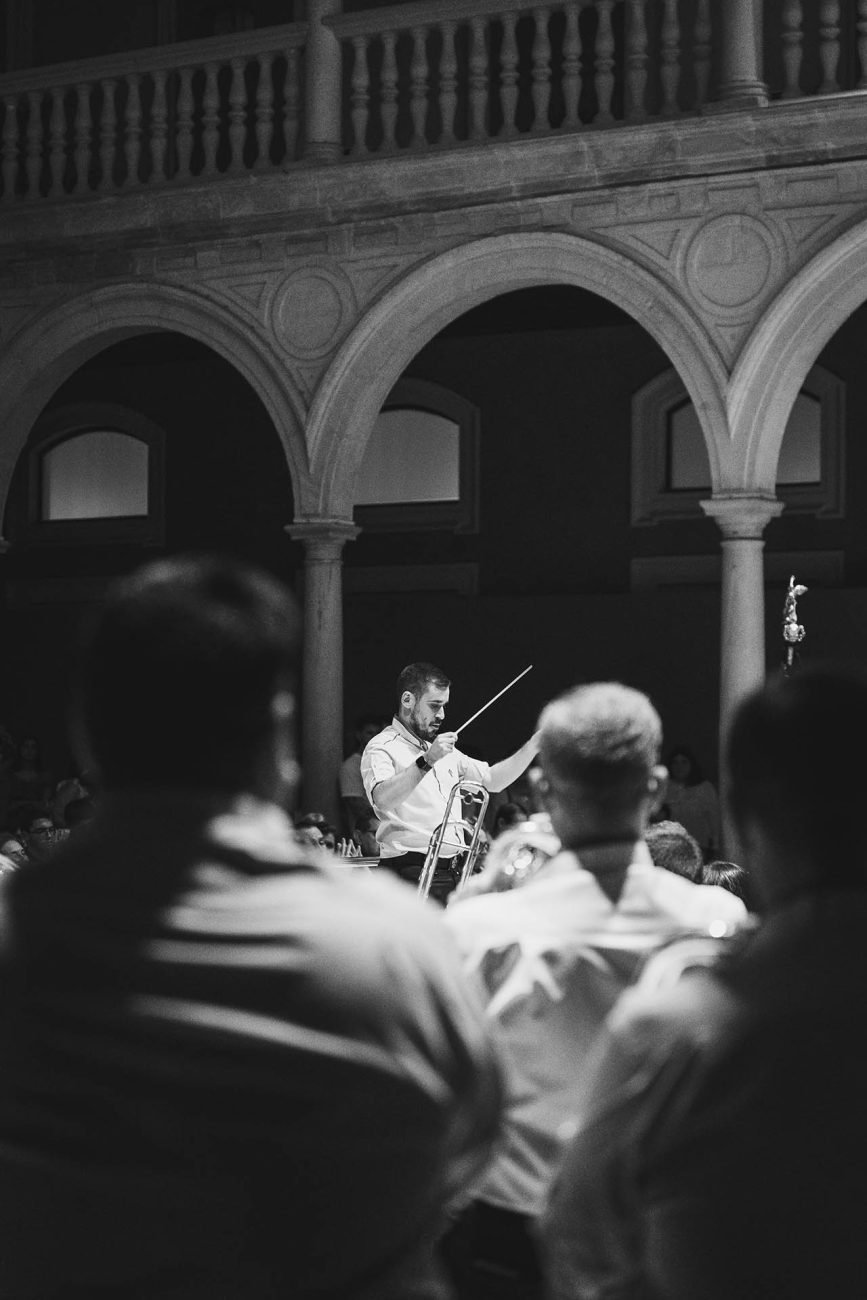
{"points": [[670, 468], [420, 469], [95, 475]]}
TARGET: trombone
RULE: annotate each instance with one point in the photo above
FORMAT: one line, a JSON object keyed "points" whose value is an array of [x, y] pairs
{"points": [[466, 834]]}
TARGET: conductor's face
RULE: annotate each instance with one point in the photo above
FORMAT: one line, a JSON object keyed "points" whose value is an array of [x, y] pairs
{"points": [[427, 711]]}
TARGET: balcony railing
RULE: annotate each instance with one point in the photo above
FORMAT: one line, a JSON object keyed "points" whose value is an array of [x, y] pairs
{"points": [[430, 74]]}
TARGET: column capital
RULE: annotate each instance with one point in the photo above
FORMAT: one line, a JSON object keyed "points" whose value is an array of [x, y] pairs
{"points": [[742, 516], [323, 539]]}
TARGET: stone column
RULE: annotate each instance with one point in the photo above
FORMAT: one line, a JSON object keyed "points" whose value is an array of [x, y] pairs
{"points": [[322, 85], [322, 661], [741, 84], [742, 521]]}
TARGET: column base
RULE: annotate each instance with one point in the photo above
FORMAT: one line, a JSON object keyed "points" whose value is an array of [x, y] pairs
{"points": [[741, 95], [322, 151]]}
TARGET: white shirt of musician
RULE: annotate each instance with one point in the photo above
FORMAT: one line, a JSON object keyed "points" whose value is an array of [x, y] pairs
{"points": [[408, 827]]}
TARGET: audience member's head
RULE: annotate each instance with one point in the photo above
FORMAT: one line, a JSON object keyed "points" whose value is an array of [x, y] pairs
{"points": [[506, 815], [672, 847], [683, 766], [310, 828], [80, 811], [367, 725], [797, 809], [600, 775], [730, 875], [364, 835], [186, 678]]}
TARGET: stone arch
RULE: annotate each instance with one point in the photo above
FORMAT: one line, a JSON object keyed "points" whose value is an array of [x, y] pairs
{"points": [[51, 346], [781, 350], [436, 292]]}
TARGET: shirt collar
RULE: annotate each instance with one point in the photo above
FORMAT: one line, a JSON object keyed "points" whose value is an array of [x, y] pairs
{"points": [[420, 745]]}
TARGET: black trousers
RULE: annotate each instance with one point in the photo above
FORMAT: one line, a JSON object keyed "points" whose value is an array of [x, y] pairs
{"points": [[491, 1254], [408, 867]]}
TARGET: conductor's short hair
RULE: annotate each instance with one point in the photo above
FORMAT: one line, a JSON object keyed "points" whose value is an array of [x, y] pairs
{"points": [[417, 677], [178, 669]]}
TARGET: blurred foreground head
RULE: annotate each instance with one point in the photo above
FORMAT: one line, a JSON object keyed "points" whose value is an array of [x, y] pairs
{"points": [[599, 752], [186, 678], [797, 771]]}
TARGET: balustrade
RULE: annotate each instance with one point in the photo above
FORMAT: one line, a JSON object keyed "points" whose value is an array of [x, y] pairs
{"points": [[415, 76]]}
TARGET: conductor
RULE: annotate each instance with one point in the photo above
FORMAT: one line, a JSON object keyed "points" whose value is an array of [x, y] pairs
{"points": [[410, 768]]}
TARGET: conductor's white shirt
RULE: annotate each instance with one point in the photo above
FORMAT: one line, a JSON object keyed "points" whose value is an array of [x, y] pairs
{"points": [[408, 827]]}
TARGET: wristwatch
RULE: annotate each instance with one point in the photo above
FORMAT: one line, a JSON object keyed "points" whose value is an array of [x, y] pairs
{"points": [[422, 764]]}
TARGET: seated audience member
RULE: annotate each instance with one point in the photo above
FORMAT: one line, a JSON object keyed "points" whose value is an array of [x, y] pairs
{"points": [[723, 1145], [354, 801], [553, 954], [692, 800], [43, 837], [728, 875], [14, 850], [508, 814], [230, 1068], [364, 835], [309, 829], [671, 846]]}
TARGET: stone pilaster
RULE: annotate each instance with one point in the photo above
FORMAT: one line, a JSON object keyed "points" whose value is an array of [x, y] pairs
{"points": [[741, 84], [322, 660], [322, 85], [742, 521]]}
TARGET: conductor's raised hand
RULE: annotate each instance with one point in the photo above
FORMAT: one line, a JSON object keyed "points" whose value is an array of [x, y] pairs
{"points": [[444, 744]]}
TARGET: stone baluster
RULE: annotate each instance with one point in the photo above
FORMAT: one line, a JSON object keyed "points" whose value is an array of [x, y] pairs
{"points": [[509, 74], [264, 111], [418, 85], [292, 114], [478, 79], [210, 118], [10, 146], [741, 85], [57, 140], [604, 62], [322, 659], [448, 82], [742, 522], [33, 147], [81, 129], [541, 74], [359, 98], [184, 135], [388, 96], [792, 42], [159, 127], [133, 131], [829, 44], [107, 134], [861, 29], [322, 85], [670, 58], [636, 61], [701, 46], [237, 114], [571, 65]]}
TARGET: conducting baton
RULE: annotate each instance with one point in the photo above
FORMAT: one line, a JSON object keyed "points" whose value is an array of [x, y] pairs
{"points": [[493, 698]]}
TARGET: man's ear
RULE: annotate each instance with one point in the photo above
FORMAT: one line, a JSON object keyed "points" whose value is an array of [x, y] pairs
{"points": [[407, 700], [657, 787]]}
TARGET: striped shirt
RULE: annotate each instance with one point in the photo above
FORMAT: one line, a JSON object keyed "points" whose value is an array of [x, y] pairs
{"points": [[228, 1072]]}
